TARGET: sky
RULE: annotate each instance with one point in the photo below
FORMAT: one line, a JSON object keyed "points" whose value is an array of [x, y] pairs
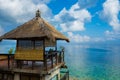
{"points": [[82, 21]]}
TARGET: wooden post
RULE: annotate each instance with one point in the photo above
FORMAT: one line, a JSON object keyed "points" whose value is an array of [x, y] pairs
{"points": [[16, 76], [2, 76], [56, 57], [63, 55], [60, 57], [51, 60], [56, 52], [45, 60], [55, 45], [8, 61], [45, 64], [20, 64], [33, 64]]}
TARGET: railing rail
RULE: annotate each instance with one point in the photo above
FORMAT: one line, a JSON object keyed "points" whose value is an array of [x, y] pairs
{"points": [[59, 54], [55, 57]]}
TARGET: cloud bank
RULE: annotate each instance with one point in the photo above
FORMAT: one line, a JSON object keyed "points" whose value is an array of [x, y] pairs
{"points": [[21, 10], [69, 21], [73, 19], [110, 14], [111, 10], [78, 38]]}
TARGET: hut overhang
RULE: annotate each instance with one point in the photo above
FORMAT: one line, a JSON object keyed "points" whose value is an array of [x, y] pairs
{"points": [[35, 28]]}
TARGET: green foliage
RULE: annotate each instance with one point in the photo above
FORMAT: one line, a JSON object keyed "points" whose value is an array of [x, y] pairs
{"points": [[62, 48], [50, 51], [10, 51]]}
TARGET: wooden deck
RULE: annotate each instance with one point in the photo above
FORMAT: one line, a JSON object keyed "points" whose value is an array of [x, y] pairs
{"points": [[27, 68], [7, 63]]}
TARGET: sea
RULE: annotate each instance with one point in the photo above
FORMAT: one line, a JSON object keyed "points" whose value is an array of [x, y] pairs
{"points": [[93, 62], [87, 61]]}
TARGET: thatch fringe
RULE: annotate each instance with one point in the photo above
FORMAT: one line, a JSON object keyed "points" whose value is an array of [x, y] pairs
{"points": [[35, 28]]}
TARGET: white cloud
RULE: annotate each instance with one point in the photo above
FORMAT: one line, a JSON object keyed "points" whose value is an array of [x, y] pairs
{"points": [[58, 17], [78, 38], [41, 1], [1, 30], [112, 35], [111, 9], [81, 14], [87, 3], [98, 39], [72, 26], [21, 10], [73, 19]]}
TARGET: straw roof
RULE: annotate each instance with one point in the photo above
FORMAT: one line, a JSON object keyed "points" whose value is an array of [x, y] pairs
{"points": [[35, 28]]}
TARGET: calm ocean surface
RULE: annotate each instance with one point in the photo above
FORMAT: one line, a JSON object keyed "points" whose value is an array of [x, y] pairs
{"points": [[89, 62], [93, 62]]}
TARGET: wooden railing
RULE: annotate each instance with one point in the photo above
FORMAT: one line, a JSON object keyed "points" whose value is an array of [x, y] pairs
{"points": [[54, 57]]}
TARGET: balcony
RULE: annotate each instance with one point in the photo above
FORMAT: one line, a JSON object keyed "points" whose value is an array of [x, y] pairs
{"points": [[55, 59]]}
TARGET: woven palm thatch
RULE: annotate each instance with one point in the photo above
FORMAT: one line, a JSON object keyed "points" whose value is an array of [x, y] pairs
{"points": [[35, 28]]}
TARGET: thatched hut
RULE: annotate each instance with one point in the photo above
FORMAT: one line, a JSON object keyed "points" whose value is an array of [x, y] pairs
{"points": [[32, 38]]}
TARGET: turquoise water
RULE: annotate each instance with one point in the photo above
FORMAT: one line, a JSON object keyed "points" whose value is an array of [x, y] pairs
{"points": [[93, 63], [88, 62]]}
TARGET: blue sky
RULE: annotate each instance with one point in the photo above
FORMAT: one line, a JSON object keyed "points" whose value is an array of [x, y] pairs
{"points": [[82, 21]]}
